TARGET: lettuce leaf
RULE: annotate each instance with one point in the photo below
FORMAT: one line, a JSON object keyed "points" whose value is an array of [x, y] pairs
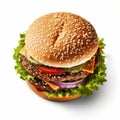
{"points": [[16, 56], [94, 80]]}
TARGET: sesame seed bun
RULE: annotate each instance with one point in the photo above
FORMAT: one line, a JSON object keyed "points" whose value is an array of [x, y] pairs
{"points": [[44, 95], [61, 39]]}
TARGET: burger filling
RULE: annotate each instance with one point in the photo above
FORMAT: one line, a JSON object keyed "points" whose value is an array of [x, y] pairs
{"points": [[82, 79]]}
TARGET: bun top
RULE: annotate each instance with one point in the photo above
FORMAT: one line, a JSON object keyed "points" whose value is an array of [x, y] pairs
{"points": [[61, 39]]}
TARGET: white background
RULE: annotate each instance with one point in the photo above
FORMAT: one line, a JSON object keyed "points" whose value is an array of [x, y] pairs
{"points": [[18, 102]]}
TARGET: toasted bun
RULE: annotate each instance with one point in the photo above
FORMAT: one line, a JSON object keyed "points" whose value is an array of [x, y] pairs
{"points": [[61, 40], [45, 95]]}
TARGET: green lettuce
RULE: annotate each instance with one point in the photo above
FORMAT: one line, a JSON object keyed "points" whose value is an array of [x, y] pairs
{"points": [[94, 80], [17, 57]]}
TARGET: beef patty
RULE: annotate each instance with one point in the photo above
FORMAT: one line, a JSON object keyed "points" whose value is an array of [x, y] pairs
{"points": [[33, 70], [39, 77]]}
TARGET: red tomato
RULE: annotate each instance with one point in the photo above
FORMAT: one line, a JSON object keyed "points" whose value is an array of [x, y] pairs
{"points": [[50, 70]]}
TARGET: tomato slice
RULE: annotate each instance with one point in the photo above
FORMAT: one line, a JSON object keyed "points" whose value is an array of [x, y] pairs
{"points": [[50, 70]]}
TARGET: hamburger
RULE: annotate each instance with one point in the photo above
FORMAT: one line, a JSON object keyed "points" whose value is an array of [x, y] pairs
{"points": [[61, 57]]}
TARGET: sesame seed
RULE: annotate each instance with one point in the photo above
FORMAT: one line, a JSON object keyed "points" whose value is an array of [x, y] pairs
{"points": [[48, 56], [83, 31]]}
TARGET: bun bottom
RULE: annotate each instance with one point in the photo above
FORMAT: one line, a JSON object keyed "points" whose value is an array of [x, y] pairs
{"points": [[44, 95]]}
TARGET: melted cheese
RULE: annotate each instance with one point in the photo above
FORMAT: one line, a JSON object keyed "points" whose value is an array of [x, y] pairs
{"points": [[53, 86], [90, 66], [22, 51]]}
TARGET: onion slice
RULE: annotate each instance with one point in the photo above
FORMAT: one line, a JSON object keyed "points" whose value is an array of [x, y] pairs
{"points": [[69, 84]]}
